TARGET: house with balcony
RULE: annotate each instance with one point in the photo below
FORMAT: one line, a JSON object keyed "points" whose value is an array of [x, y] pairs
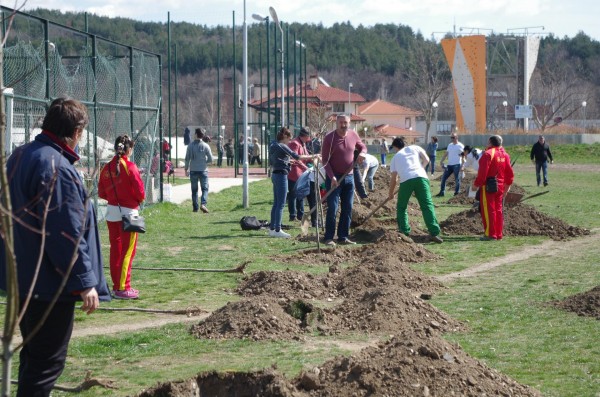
{"points": [[384, 119], [314, 104]]}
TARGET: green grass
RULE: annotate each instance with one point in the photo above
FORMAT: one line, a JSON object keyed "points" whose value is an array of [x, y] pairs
{"points": [[510, 330], [563, 153]]}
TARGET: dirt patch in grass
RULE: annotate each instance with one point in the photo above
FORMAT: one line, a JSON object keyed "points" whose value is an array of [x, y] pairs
{"points": [[413, 363], [289, 285], [586, 304], [266, 383], [519, 220], [258, 318], [386, 310]]}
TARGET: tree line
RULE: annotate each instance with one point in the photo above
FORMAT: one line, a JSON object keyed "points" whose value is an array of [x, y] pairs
{"points": [[382, 60]]}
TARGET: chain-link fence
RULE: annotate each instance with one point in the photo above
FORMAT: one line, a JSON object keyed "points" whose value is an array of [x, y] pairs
{"points": [[119, 84]]}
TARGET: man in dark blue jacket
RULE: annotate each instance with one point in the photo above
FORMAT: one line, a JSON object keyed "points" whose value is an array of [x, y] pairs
{"points": [[56, 245], [540, 153]]}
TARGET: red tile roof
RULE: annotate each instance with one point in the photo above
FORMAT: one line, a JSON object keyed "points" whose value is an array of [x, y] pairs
{"points": [[380, 107], [321, 94], [353, 118], [390, 130]]}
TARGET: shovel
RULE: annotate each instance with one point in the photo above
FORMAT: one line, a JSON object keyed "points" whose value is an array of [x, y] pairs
{"points": [[306, 218], [370, 214], [532, 196], [529, 197]]}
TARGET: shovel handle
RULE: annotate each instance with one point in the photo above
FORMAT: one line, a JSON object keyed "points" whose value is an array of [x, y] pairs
{"points": [[331, 190], [378, 207]]}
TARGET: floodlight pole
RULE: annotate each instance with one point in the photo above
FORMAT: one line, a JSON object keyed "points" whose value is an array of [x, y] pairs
{"points": [[245, 112], [276, 20]]}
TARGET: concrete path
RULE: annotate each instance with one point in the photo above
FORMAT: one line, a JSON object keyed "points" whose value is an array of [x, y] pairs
{"points": [[181, 193]]}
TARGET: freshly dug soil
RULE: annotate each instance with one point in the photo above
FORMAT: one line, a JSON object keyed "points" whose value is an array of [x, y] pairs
{"points": [[288, 285], [586, 304], [413, 363], [258, 318], [386, 310], [266, 383], [519, 220]]}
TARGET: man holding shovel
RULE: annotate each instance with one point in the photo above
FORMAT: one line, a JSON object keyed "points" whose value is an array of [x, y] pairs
{"points": [[409, 165], [338, 159]]}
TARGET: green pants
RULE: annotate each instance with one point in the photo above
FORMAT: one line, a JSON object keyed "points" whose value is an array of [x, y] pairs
{"points": [[421, 188]]}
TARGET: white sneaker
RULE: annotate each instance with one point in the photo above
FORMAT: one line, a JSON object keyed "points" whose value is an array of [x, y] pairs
{"points": [[280, 234]]}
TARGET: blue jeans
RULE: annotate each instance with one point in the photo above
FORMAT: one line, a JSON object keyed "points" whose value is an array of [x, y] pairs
{"points": [[451, 169], [432, 164], [383, 156], [201, 176], [280, 188], [544, 168], [370, 174], [358, 183], [345, 193], [295, 206]]}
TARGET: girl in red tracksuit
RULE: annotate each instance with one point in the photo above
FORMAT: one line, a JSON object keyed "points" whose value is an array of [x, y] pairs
{"points": [[494, 162], [121, 185]]}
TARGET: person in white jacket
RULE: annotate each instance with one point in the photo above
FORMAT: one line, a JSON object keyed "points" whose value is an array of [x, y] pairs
{"points": [[368, 169]]}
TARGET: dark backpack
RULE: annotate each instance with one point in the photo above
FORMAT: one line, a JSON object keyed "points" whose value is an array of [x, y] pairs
{"points": [[250, 223]]}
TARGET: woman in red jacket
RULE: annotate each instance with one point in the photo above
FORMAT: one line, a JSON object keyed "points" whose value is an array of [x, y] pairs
{"points": [[121, 185]]}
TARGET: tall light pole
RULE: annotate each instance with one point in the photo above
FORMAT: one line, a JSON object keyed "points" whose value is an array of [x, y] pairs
{"points": [[505, 104], [350, 85], [434, 105], [261, 18], [276, 20], [584, 105], [302, 47], [245, 95]]}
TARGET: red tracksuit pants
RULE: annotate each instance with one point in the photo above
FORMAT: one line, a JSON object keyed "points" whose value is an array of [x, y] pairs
{"points": [[122, 251], [491, 213]]}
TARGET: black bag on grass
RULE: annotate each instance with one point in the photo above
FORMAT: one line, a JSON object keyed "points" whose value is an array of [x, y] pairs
{"points": [[250, 223]]}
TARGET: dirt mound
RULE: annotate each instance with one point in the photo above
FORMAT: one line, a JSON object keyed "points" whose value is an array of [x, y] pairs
{"points": [[410, 364], [258, 318], [289, 285], [413, 363], [386, 310], [519, 220], [383, 273], [266, 383], [390, 243], [586, 304]]}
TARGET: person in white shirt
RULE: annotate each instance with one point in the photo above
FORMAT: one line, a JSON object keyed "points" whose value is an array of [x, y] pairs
{"points": [[408, 164], [368, 169], [471, 156], [453, 153]]}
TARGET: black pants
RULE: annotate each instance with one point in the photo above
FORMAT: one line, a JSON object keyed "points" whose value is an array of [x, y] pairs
{"points": [[42, 359], [257, 159], [229, 160]]}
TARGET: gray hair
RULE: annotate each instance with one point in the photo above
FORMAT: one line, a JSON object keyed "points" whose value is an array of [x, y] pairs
{"points": [[496, 140]]}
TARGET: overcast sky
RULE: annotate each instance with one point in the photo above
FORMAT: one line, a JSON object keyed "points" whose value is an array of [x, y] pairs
{"points": [[560, 17]]}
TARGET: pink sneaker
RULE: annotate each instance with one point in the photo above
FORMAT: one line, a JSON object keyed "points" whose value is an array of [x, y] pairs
{"points": [[127, 294]]}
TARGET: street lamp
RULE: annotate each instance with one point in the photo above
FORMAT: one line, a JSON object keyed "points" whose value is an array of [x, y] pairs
{"points": [[505, 104], [276, 20], [259, 17], [302, 47], [350, 85], [434, 105], [584, 105]]}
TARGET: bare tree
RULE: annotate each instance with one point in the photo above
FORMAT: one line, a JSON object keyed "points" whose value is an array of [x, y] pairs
{"points": [[317, 119], [557, 90], [428, 76]]}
